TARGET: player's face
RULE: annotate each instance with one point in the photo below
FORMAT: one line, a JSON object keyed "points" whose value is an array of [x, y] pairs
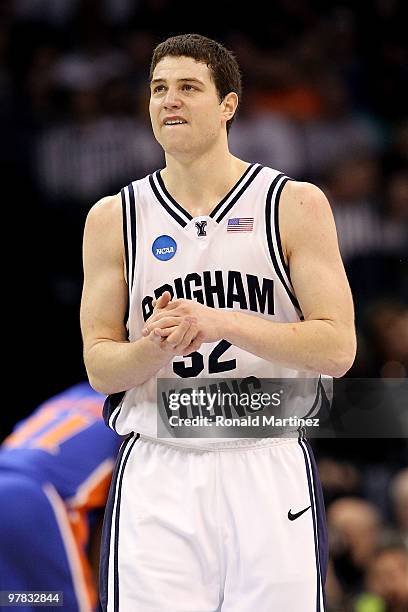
{"points": [[185, 110]]}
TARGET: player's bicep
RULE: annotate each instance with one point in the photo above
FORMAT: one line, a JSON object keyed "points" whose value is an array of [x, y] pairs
{"points": [[104, 296], [316, 269], [103, 307]]}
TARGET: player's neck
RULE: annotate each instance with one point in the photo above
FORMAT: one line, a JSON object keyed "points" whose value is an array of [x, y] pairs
{"points": [[199, 184]]}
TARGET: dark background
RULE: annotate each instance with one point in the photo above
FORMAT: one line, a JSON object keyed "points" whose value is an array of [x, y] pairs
{"points": [[325, 99]]}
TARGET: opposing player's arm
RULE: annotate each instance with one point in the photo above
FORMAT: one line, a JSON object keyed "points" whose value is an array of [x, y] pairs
{"points": [[325, 341], [114, 364]]}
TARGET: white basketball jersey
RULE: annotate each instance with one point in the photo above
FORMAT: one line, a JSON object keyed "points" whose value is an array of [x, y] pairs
{"points": [[230, 259]]}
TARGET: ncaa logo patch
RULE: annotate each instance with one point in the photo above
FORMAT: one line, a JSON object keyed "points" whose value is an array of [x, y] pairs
{"points": [[164, 248]]}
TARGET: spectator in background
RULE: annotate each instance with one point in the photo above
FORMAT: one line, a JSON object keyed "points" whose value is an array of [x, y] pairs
{"points": [[55, 13], [386, 581], [395, 156], [60, 12], [92, 152], [338, 132], [363, 225], [353, 183], [339, 478], [373, 244], [354, 528], [271, 138], [399, 500], [386, 327], [266, 129], [397, 196], [137, 45], [102, 139]]}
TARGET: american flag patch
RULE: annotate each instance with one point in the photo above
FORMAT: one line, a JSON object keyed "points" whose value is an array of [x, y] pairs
{"points": [[240, 224]]}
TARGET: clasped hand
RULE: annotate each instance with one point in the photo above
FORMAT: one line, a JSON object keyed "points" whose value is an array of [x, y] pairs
{"points": [[181, 326]]}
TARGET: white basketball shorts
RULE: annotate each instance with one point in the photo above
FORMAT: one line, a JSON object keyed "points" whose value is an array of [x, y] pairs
{"points": [[236, 528]]}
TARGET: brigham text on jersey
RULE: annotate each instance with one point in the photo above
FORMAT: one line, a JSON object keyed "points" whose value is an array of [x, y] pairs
{"points": [[219, 289]]}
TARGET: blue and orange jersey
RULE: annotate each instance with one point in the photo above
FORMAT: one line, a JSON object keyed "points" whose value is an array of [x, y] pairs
{"points": [[66, 443]]}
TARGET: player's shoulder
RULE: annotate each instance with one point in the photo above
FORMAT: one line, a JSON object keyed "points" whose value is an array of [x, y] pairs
{"points": [[301, 198], [106, 207], [304, 189], [297, 191], [108, 211], [104, 225], [105, 210], [304, 214]]}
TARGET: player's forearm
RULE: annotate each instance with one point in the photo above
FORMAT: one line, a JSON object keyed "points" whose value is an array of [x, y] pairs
{"points": [[319, 346], [118, 366]]}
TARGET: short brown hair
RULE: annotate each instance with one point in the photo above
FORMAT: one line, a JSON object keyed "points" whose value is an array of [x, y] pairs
{"points": [[221, 62]]}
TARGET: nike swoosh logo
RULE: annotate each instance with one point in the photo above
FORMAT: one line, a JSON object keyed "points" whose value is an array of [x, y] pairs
{"points": [[293, 517]]}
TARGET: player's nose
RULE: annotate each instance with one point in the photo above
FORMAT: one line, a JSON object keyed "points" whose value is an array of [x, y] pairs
{"points": [[171, 99]]}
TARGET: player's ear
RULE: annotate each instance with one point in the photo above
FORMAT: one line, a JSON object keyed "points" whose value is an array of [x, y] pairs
{"points": [[229, 105]]}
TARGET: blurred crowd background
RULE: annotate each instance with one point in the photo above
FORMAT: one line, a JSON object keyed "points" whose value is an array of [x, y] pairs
{"points": [[325, 100]]}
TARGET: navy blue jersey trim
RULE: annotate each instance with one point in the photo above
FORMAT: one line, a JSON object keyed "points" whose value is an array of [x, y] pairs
{"points": [[218, 207], [313, 501], [277, 231], [239, 194], [314, 528], [321, 402], [118, 412], [316, 399], [165, 205], [321, 528], [117, 519], [132, 203], [107, 530], [125, 235], [109, 406], [170, 197], [225, 198], [125, 240], [268, 213]]}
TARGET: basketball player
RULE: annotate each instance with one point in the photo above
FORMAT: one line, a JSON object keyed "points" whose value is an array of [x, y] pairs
{"points": [[55, 471], [245, 268]]}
